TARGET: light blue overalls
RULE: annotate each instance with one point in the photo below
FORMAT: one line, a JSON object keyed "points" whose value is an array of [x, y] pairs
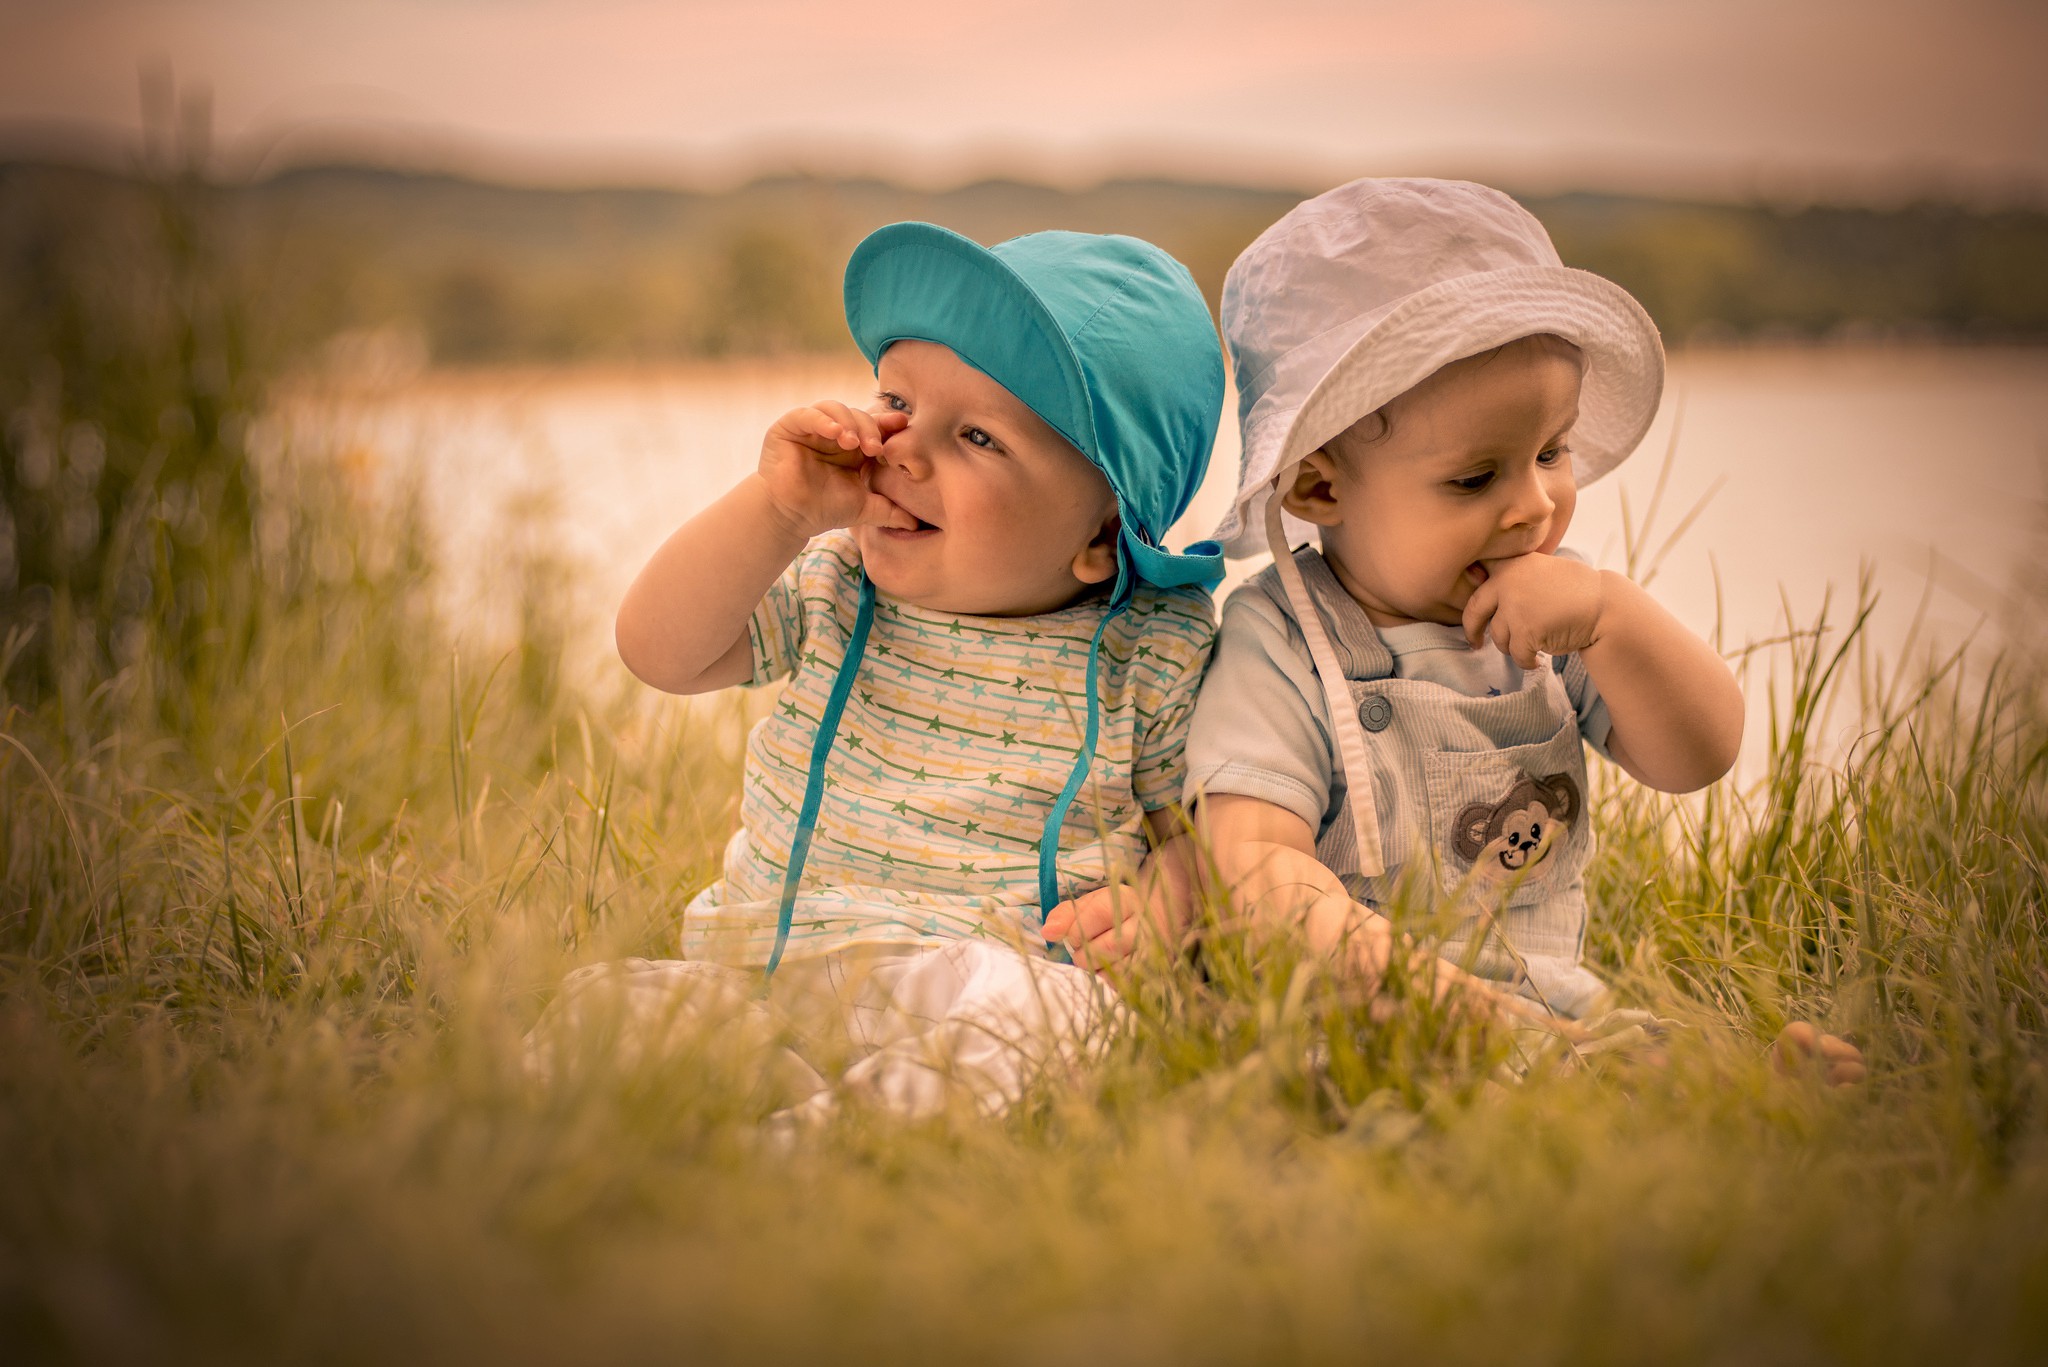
{"points": [[1488, 793]]}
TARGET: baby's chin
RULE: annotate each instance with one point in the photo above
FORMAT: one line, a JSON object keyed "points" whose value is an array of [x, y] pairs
{"points": [[1449, 611], [935, 593], [1418, 614]]}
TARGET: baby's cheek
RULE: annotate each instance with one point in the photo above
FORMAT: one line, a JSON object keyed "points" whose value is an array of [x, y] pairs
{"points": [[1462, 589]]}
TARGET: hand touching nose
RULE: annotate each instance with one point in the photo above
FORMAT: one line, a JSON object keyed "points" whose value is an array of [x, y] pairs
{"points": [[817, 462]]}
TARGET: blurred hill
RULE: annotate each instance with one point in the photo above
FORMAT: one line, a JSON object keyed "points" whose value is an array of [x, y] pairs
{"points": [[462, 272]]}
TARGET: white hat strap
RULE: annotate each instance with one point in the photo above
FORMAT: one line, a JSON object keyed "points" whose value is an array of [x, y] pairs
{"points": [[1351, 753]]}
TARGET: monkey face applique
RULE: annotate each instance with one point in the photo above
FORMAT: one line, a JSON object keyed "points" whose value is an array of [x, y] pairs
{"points": [[1505, 839]]}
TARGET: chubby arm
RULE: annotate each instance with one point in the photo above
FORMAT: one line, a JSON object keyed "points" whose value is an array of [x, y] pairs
{"points": [[1264, 858], [683, 624], [1675, 707]]}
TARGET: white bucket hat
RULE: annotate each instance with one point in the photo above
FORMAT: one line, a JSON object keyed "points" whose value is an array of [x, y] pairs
{"points": [[1357, 296], [1360, 294]]}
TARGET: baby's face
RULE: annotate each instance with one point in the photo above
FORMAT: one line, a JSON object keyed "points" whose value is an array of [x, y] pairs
{"points": [[1012, 520], [1472, 465]]}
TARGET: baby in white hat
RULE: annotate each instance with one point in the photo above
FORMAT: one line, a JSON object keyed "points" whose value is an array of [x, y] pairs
{"points": [[1399, 711]]}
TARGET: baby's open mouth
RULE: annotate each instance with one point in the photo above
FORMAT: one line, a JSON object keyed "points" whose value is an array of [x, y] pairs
{"points": [[920, 524], [919, 527]]}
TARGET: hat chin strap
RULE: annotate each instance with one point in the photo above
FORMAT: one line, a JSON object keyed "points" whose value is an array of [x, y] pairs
{"points": [[814, 783], [1351, 751]]}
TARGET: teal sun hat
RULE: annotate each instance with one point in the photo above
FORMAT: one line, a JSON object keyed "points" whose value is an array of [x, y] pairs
{"points": [[1107, 339]]}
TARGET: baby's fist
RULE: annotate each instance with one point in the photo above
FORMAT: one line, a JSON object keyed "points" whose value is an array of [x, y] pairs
{"points": [[1531, 604], [816, 462]]}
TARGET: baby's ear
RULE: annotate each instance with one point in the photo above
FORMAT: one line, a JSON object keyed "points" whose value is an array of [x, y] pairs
{"points": [[1312, 495], [1096, 564]]}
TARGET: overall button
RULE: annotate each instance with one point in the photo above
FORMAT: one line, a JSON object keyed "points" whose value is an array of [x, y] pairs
{"points": [[1376, 712]]}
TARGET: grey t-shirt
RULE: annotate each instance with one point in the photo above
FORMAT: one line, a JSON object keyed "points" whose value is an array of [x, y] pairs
{"points": [[1262, 724]]}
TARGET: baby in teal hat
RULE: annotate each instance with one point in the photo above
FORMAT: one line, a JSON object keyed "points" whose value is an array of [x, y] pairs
{"points": [[991, 659]]}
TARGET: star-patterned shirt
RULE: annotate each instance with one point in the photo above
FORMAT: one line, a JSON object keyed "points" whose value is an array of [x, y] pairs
{"points": [[957, 738]]}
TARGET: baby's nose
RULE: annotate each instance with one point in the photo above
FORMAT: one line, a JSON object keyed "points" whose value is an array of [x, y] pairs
{"points": [[1532, 503], [903, 449]]}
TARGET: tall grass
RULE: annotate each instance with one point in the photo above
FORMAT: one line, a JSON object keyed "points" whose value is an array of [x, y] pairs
{"points": [[277, 904], [262, 1096]]}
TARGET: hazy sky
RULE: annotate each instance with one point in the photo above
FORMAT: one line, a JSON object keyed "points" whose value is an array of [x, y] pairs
{"points": [[1857, 97]]}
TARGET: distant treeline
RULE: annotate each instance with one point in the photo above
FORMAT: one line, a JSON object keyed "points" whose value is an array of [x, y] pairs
{"points": [[475, 273]]}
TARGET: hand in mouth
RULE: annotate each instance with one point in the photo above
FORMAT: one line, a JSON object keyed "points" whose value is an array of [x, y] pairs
{"points": [[916, 525], [900, 520]]}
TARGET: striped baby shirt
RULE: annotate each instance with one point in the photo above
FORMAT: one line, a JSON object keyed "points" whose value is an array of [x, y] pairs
{"points": [[957, 738]]}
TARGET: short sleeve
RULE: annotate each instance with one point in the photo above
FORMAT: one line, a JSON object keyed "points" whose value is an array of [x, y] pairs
{"points": [[1585, 695], [1261, 727], [1590, 707], [823, 579], [1174, 650], [777, 627]]}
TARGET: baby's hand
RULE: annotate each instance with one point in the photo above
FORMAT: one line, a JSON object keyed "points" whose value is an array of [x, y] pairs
{"points": [[1532, 603], [1801, 1050], [816, 462], [1105, 927]]}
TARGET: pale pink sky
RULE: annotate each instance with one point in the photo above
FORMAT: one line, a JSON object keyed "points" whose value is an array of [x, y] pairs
{"points": [[1784, 96]]}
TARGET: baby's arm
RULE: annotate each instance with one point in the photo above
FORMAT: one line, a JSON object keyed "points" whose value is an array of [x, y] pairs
{"points": [[683, 624], [1263, 858], [1675, 708]]}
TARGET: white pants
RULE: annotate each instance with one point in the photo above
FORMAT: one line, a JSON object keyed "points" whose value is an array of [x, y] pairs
{"points": [[902, 1029]]}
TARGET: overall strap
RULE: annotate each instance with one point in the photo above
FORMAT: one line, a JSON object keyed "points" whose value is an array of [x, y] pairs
{"points": [[814, 785], [1350, 736], [1360, 652]]}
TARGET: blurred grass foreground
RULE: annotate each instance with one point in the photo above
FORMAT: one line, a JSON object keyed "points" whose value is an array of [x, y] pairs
{"points": [[289, 863]]}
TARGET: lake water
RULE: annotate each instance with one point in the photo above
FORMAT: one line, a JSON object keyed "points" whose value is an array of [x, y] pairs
{"points": [[1806, 467]]}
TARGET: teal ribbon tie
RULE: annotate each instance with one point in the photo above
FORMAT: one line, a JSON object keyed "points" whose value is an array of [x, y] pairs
{"points": [[814, 785]]}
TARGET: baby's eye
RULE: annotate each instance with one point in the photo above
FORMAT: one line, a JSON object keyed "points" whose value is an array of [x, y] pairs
{"points": [[1472, 484], [892, 400], [1553, 455], [974, 436]]}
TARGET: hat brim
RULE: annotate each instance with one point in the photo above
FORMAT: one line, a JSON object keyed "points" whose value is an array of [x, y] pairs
{"points": [[918, 281], [1447, 322]]}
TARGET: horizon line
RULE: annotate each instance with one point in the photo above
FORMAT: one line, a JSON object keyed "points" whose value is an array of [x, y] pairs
{"points": [[124, 150]]}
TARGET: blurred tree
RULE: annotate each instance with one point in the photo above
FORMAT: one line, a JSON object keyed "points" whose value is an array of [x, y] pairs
{"points": [[126, 385], [769, 293], [470, 317], [490, 273]]}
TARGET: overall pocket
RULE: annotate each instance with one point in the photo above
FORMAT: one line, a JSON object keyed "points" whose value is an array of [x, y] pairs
{"points": [[1508, 827]]}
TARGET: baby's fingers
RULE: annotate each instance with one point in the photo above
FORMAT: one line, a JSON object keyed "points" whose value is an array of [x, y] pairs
{"points": [[1082, 918], [814, 430], [1061, 920], [850, 429], [1130, 924], [1480, 610], [1112, 946], [1801, 1048], [1519, 646], [880, 512]]}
